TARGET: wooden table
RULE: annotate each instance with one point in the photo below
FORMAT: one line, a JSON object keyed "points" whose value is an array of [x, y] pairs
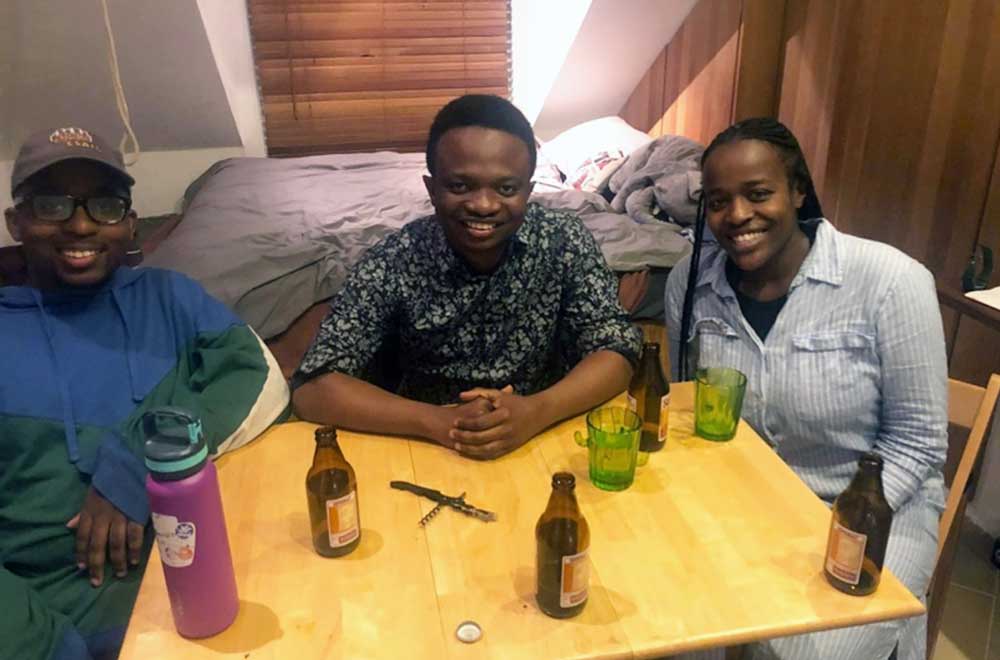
{"points": [[714, 544]]}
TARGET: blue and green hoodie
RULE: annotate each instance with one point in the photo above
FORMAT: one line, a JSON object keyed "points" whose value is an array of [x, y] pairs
{"points": [[78, 368]]}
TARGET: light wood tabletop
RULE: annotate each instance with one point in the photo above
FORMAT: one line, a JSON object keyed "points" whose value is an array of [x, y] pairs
{"points": [[714, 544]]}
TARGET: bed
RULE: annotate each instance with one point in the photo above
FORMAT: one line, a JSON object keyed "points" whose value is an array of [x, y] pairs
{"points": [[274, 238]]}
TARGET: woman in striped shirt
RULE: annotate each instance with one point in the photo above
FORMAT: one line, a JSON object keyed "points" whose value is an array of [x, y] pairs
{"points": [[842, 344]]}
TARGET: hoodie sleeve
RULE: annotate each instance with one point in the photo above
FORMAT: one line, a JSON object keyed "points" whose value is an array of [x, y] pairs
{"points": [[225, 376], [30, 629]]}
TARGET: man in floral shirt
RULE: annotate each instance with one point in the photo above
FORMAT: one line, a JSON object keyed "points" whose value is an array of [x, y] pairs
{"points": [[502, 307]]}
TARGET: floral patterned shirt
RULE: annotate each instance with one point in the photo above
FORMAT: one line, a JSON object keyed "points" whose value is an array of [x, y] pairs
{"points": [[551, 302]]}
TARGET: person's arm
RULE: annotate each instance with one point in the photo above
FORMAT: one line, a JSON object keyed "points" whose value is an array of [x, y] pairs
{"points": [[227, 378], [351, 403], [913, 430], [31, 629]]}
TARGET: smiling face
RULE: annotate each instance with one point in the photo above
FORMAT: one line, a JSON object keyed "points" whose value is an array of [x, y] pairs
{"points": [[78, 252], [480, 191], [751, 208]]}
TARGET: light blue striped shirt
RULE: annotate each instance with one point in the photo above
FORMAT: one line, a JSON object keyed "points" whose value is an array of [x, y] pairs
{"points": [[855, 361]]}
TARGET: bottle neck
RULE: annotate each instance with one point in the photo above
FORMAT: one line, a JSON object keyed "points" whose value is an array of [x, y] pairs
{"points": [[329, 447], [563, 501]]}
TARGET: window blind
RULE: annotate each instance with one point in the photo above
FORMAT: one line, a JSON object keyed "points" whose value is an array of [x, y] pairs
{"points": [[340, 76]]}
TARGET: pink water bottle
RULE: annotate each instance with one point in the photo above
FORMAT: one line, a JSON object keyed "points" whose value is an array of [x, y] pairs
{"points": [[190, 526]]}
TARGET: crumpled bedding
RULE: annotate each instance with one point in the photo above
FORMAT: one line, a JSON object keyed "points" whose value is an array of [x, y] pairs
{"points": [[660, 181], [270, 237]]}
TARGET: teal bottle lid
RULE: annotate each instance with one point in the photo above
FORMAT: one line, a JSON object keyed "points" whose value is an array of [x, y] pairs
{"points": [[175, 444]]}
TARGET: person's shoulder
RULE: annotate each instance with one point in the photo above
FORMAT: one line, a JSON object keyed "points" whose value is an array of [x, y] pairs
{"points": [[873, 260], [554, 220], [678, 275], [557, 230], [180, 296], [162, 281], [415, 234]]}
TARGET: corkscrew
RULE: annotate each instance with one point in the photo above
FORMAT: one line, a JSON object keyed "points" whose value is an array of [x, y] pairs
{"points": [[457, 503]]}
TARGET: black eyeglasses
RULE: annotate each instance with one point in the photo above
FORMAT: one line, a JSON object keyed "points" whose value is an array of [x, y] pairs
{"points": [[104, 210]]}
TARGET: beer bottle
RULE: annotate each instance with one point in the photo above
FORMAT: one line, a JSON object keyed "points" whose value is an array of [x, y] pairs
{"points": [[859, 531], [332, 492], [649, 397], [563, 538]]}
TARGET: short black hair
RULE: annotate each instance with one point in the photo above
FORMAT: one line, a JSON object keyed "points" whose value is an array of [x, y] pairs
{"points": [[486, 111]]}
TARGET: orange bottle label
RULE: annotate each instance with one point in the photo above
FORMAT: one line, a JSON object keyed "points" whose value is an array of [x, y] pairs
{"points": [[575, 580], [846, 553], [664, 417], [342, 519]]}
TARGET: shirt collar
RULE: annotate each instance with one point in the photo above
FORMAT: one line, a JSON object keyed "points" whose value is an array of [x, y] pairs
{"points": [[822, 264]]}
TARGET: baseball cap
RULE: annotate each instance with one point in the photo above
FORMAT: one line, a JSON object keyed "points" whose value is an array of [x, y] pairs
{"points": [[49, 147]]}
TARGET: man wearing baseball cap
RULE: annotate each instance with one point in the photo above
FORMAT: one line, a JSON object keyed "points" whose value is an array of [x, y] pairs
{"points": [[89, 346]]}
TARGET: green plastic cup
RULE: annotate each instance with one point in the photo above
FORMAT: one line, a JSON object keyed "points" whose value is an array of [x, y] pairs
{"points": [[718, 402], [613, 441]]}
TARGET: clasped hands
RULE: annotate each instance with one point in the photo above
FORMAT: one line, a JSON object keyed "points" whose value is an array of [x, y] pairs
{"points": [[490, 422]]}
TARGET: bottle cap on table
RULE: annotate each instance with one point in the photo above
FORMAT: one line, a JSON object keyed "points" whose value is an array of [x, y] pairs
{"points": [[468, 632]]}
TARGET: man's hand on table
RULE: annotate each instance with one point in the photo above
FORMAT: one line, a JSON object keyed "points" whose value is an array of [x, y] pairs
{"points": [[103, 532], [508, 422]]}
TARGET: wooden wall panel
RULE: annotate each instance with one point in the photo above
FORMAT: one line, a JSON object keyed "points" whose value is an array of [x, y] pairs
{"points": [[897, 106], [989, 232], [976, 352], [689, 88], [758, 59]]}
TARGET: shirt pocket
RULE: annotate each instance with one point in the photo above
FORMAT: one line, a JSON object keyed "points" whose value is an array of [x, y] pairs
{"points": [[825, 342], [834, 371]]}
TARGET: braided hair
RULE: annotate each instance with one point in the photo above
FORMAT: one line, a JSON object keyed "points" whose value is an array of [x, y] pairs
{"points": [[765, 129]]}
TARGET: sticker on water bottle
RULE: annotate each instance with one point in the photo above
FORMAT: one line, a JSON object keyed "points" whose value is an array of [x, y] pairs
{"points": [[175, 539]]}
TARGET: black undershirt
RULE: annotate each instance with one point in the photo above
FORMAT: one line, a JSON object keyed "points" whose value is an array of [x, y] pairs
{"points": [[762, 315]]}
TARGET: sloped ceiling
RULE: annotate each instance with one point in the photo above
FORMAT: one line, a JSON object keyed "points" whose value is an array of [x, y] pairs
{"points": [[54, 67], [616, 43], [56, 72]]}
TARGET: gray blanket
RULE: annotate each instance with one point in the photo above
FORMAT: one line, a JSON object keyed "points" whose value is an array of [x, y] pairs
{"points": [[660, 181], [271, 237]]}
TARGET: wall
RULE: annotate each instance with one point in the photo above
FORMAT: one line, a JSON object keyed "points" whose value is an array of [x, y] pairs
{"points": [[688, 89], [541, 36], [192, 96], [227, 26], [983, 509], [901, 139], [174, 92], [615, 44]]}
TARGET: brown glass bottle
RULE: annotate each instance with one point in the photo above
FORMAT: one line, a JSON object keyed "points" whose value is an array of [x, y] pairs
{"points": [[859, 531], [563, 539], [332, 492], [649, 396]]}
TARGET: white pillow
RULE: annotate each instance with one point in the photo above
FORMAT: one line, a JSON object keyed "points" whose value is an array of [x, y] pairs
{"points": [[588, 141]]}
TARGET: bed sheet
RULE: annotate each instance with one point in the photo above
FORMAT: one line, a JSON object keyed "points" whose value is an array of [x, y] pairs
{"points": [[270, 237]]}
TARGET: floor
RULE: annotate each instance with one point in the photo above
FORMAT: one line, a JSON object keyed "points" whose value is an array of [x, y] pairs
{"points": [[970, 629]]}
